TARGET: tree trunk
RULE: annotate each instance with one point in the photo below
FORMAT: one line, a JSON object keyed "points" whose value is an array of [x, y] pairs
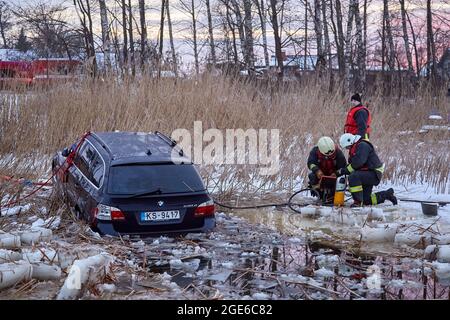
{"points": [[86, 22], [318, 28], [390, 39], [405, 36], [248, 28], [143, 33], [414, 40], [2, 29], [305, 59], [276, 35], [130, 29], [348, 75], [431, 49], [262, 19], [364, 46], [172, 46], [161, 37], [161, 29], [240, 26], [226, 37], [327, 46], [194, 36], [105, 34], [360, 82], [340, 43], [233, 34], [211, 34], [91, 39], [383, 44], [125, 35]]}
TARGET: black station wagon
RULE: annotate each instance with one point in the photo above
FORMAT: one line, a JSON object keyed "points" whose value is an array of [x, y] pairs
{"points": [[127, 183]]}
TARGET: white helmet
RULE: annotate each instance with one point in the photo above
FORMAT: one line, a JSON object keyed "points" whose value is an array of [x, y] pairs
{"points": [[326, 145], [348, 139]]}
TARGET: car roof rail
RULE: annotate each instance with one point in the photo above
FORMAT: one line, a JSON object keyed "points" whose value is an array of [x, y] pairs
{"points": [[170, 141], [166, 138], [102, 143]]}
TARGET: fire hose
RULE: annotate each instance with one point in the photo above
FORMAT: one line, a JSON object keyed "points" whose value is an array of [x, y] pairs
{"points": [[41, 185], [290, 203], [69, 161]]}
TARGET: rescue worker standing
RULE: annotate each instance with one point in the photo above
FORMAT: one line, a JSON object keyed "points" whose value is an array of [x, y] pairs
{"points": [[324, 159], [358, 118], [364, 171]]}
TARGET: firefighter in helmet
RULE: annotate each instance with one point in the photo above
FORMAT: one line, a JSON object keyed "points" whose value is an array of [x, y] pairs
{"points": [[324, 160], [364, 171]]}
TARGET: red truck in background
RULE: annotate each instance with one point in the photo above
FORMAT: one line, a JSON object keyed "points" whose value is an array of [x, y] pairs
{"points": [[40, 71]]}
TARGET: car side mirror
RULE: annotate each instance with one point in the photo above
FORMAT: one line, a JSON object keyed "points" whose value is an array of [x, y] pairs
{"points": [[65, 153]]}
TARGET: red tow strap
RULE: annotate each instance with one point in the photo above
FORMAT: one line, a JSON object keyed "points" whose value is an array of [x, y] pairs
{"points": [[69, 161]]}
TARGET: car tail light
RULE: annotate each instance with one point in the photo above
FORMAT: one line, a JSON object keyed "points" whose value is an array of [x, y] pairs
{"points": [[206, 209], [104, 212]]}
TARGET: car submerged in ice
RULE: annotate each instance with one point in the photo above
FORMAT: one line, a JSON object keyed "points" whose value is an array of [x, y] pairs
{"points": [[126, 183]]}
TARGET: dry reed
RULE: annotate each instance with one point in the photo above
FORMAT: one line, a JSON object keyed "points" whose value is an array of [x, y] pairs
{"points": [[35, 124]]}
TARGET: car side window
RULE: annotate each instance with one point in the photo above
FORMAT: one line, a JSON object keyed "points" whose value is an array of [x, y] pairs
{"points": [[79, 160], [94, 163], [97, 169]]}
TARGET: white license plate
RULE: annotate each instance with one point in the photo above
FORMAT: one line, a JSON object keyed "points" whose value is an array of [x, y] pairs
{"points": [[160, 215]]}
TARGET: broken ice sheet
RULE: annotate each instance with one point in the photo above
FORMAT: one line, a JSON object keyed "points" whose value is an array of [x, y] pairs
{"points": [[263, 284], [221, 276]]}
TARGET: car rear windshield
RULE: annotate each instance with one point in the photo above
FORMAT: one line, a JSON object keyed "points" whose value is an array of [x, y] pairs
{"points": [[170, 178]]}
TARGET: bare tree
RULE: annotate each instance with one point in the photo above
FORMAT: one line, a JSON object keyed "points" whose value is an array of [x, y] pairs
{"points": [[212, 45], [305, 59], [143, 32], [327, 46], [276, 34], [50, 35], [5, 21], [387, 35], [262, 19], [161, 28], [239, 23], [431, 49], [318, 28], [348, 58], [340, 40], [248, 28], [231, 24], [124, 34], [363, 48], [190, 8], [361, 55], [130, 32], [414, 41], [105, 33], [172, 46], [405, 35]]}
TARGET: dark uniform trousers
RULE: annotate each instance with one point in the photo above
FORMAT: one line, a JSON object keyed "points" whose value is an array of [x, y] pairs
{"points": [[361, 183]]}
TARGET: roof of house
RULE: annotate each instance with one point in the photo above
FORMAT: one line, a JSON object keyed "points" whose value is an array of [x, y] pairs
{"points": [[15, 55]]}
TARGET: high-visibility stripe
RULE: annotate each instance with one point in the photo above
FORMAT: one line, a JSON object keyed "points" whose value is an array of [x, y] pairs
{"points": [[366, 137], [350, 168], [312, 166], [380, 169], [356, 189], [373, 196]]}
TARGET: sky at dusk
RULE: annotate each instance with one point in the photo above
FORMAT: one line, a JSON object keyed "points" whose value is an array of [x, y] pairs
{"points": [[181, 20]]}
